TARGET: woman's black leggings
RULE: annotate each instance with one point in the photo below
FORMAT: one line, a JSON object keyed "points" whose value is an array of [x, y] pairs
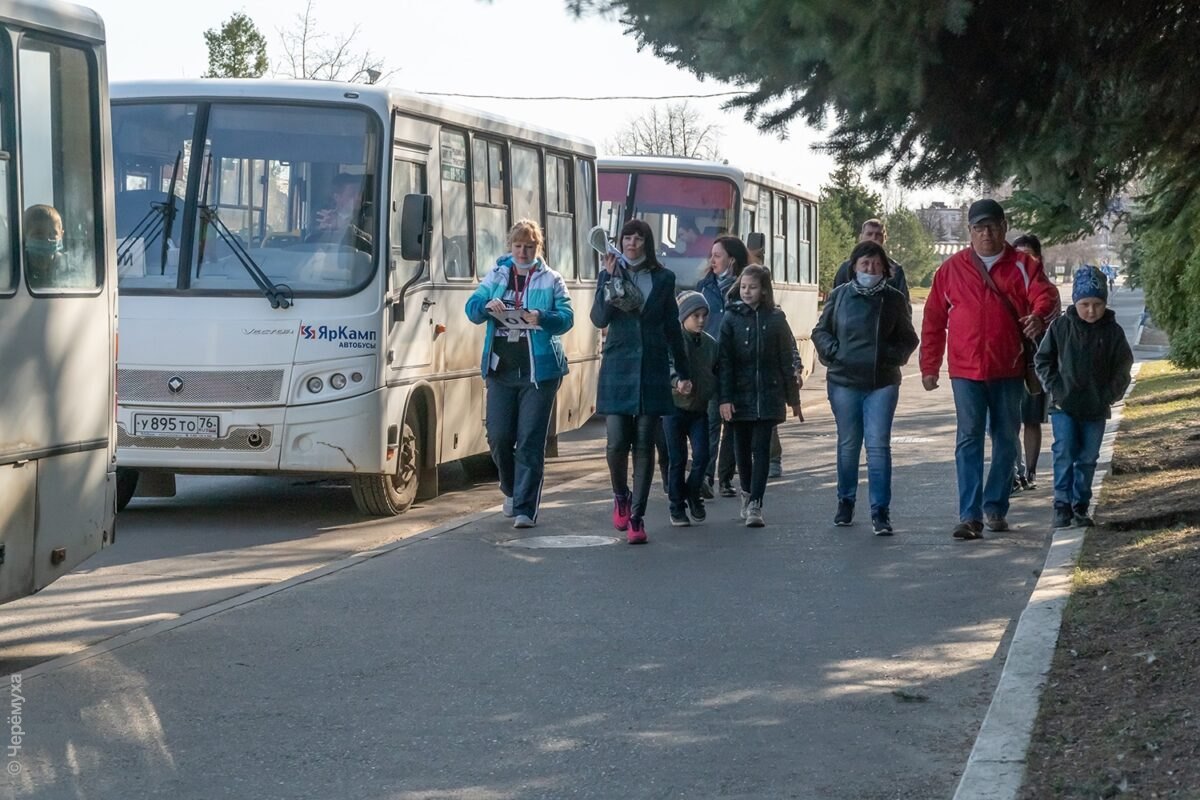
{"points": [[625, 433], [753, 442]]}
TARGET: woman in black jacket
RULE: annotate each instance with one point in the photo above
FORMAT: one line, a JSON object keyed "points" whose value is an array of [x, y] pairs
{"points": [[757, 381], [864, 336], [634, 390]]}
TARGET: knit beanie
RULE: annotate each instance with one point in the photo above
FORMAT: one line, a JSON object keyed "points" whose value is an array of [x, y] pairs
{"points": [[1089, 282], [690, 303]]}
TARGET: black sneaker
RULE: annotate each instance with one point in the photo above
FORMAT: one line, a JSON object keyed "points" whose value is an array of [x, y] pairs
{"points": [[1080, 518], [845, 513], [727, 489], [1062, 516], [881, 521], [679, 518], [696, 507], [706, 491]]}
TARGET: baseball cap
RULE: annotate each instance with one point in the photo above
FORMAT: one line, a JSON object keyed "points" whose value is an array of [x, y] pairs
{"points": [[984, 209]]}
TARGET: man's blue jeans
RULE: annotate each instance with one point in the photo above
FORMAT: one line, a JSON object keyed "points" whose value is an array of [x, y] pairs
{"points": [[518, 419], [974, 403], [1076, 450], [864, 413], [681, 427]]}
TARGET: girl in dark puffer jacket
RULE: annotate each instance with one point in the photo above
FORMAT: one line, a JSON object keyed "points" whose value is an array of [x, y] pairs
{"points": [[757, 381]]}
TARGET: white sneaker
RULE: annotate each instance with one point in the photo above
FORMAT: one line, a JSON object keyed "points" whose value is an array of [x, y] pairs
{"points": [[523, 521], [508, 508], [754, 518], [745, 504]]}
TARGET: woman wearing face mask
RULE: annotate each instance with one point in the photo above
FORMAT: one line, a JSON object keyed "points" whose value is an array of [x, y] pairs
{"points": [[865, 334], [635, 372], [522, 367]]}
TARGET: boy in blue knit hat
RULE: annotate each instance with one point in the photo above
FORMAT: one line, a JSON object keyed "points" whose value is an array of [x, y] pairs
{"points": [[1084, 362]]}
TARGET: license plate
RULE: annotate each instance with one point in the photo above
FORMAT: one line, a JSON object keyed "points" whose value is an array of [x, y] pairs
{"points": [[200, 426]]}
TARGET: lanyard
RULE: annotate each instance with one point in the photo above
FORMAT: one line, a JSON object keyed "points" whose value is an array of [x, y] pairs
{"points": [[517, 286]]}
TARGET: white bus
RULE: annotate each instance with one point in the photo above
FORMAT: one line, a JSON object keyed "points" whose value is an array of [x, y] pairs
{"points": [[716, 199], [57, 295], [272, 320]]}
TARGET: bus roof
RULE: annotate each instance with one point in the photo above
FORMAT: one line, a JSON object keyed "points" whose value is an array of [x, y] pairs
{"points": [[382, 99], [54, 16], [693, 166]]}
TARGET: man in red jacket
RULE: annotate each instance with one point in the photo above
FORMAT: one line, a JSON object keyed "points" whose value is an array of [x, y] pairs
{"points": [[986, 330]]}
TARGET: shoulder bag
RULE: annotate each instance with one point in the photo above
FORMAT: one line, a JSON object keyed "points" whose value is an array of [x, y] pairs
{"points": [[1032, 384]]}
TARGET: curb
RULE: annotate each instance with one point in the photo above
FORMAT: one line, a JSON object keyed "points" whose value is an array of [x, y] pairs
{"points": [[996, 767]]}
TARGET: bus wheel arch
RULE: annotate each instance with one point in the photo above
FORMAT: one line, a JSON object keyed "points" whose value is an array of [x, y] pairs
{"points": [[393, 493]]}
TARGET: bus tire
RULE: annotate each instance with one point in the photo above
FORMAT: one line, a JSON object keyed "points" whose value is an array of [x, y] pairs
{"points": [[127, 481], [392, 494]]}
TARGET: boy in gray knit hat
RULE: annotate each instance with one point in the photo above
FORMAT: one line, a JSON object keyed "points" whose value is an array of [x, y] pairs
{"points": [[1084, 362], [690, 421]]}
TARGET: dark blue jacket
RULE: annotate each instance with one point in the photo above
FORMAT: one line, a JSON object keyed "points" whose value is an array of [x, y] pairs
{"points": [[635, 372], [716, 292]]}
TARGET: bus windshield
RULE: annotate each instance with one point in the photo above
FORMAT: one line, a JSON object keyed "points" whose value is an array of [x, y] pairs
{"points": [[281, 193], [685, 212]]}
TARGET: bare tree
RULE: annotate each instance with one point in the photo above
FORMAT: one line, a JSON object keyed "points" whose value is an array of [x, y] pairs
{"points": [[312, 54], [671, 129]]}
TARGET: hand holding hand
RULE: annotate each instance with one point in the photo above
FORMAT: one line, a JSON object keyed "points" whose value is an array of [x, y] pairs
{"points": [[726, 410], [930, 382], [684, 387]]}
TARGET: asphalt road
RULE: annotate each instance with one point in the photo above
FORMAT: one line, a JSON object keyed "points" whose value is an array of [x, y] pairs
{"points": [[800, 660]]}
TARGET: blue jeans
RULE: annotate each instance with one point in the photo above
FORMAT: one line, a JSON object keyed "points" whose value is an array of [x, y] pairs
{"points": [[681, 427], [864, 413], [518, 418], [1076, 449], [975, 402]]}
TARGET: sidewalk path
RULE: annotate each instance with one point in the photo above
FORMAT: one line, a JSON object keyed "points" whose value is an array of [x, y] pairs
{"points": [[800, 660]]}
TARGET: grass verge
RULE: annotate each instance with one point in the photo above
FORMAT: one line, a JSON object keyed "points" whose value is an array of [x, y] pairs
{"points": [[1120, 714]]}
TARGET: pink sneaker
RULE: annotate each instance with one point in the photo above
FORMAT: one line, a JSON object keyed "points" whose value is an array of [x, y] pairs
{"points": [[621, 510], [637, 532]]}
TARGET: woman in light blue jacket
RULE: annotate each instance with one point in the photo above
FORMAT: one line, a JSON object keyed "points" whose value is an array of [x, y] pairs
{"points": [[522, 368]]}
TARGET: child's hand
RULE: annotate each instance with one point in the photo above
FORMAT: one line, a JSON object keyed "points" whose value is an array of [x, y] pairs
{"points": [[726, 410], [684, 387]]}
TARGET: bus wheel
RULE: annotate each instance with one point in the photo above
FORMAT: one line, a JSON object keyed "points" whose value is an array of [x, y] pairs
{"points": [[392, 494], [127, 481]]}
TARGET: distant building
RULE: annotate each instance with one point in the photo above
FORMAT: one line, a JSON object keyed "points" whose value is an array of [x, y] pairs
{"points": [[947, 225]]}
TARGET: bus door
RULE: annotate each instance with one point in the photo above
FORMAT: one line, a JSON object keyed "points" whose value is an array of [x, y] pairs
{"points": [[415, 311]]}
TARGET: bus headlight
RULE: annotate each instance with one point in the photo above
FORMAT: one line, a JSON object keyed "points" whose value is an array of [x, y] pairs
{"points": [[315, 385], [337, 380]]}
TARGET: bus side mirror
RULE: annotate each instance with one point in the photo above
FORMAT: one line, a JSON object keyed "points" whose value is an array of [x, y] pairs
{"points": [[416, 227], [756, 241]]}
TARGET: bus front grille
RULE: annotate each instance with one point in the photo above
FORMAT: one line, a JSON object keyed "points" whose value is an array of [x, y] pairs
{"points": [[225, 387], [251, 438]]}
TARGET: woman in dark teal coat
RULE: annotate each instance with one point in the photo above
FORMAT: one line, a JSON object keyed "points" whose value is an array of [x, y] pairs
{"points": [[635, 373]]}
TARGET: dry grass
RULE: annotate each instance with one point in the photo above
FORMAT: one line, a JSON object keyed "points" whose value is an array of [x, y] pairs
{"points": [[1120, 715]]}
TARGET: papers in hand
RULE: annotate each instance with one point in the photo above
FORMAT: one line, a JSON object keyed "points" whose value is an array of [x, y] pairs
{"points": [[510, 318]]}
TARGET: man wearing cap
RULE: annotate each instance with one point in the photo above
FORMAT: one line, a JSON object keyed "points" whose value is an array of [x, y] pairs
{"points": [[985, 303]]}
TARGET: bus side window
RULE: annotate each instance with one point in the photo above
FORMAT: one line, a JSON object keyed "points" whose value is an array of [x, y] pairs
{"points": [[56, 167], [8, 275], [456, 242], [491, 215], [560, 218]]}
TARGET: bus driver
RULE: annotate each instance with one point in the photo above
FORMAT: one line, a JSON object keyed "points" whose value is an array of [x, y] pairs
{"points": [[342, 222]]}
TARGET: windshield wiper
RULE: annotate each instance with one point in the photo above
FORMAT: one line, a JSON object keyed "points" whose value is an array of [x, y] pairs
{"points": [[160, 219], [279, 295]]}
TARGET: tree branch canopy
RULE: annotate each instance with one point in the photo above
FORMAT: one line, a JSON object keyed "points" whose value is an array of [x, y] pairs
{"points": [[1069, 100]]}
